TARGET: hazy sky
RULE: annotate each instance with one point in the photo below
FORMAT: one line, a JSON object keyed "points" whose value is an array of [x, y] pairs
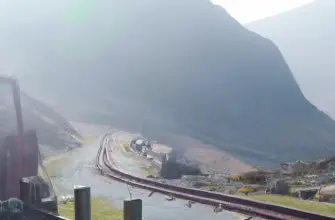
{"points": [[249, 10], [243, 10]]}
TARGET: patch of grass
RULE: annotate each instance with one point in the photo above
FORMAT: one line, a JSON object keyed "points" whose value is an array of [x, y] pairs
{"points": [[126, 147], [312, 206], [89, 139], [100, 209], [147, 170], [209, 187], [214, 187], [53, 164]]}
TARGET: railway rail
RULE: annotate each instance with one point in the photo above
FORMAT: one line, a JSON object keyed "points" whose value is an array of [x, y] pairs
{"points": [[236, 204]]}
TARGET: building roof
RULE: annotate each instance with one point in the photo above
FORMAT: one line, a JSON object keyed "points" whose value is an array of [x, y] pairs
{"points": [[139, 141]]}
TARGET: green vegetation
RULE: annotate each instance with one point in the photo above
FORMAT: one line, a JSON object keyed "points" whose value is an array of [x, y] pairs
{"points": [[147, 170], [210, 187], [100, 208], [322, 208], [214, 187]]}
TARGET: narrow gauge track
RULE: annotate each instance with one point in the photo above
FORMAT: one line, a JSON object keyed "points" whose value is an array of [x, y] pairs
{"points": [[226, 202]]}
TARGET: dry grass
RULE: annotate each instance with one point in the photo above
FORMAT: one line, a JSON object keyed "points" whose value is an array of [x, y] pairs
{"points": [[246, 189]]}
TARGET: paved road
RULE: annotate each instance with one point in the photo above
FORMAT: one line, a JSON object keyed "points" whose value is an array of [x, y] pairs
{"points": [[80, 170]]}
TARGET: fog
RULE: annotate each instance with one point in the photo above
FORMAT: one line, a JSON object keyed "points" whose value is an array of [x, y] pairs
{"points": [[182, 66]]}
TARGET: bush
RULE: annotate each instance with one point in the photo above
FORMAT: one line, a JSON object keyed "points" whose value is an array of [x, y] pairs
{"points": [[253, 177], [246, 189]]}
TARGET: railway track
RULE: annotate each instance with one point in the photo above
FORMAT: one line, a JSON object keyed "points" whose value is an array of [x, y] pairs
{"points": [[220, 201]]}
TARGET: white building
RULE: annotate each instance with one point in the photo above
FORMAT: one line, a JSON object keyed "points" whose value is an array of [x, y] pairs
{"points": [[140, 144]]}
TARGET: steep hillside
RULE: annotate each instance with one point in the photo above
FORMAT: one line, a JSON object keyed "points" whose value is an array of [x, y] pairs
{"points": [[54, 133], [305, 37], [186, 65]]}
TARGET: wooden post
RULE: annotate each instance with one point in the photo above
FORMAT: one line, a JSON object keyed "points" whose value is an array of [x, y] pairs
{"points": [[30, 192], [17, 105], [24, 190], [132, 209], [82, 202]]}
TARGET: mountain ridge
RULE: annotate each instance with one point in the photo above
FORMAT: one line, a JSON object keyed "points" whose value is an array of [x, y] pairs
{"points": [[190, 68], [304, 36]]}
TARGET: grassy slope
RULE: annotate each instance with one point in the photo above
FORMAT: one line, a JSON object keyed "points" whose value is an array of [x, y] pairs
{"points": [[318, 207]]}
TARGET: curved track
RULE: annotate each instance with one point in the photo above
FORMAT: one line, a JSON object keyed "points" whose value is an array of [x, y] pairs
{"points": [[219, 200]]}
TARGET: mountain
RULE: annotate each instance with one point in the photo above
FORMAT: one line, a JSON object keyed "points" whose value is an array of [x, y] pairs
{"points": [[185, 66], [54, 133], [305, 37]]}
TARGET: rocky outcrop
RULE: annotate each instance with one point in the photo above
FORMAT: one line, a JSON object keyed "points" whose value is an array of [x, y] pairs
{"points": [[278, 187], [175, 170]]}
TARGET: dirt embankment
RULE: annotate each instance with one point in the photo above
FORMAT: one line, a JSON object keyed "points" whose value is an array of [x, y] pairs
{"points": [[212, 158], [209, 157]]}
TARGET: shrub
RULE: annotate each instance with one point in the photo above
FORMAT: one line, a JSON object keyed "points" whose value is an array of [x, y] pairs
{"points": [[246, 189]]}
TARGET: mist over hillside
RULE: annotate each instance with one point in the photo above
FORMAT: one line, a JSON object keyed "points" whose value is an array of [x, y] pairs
{"points": [[185, 66], [54, 133], [305, 37]]}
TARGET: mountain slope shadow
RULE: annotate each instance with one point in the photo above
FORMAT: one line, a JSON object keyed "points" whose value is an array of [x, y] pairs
{"points": [[54, 133]]}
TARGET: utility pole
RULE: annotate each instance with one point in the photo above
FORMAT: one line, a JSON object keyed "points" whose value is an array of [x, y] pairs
{"points": [[17, 103], [18, 146]]}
